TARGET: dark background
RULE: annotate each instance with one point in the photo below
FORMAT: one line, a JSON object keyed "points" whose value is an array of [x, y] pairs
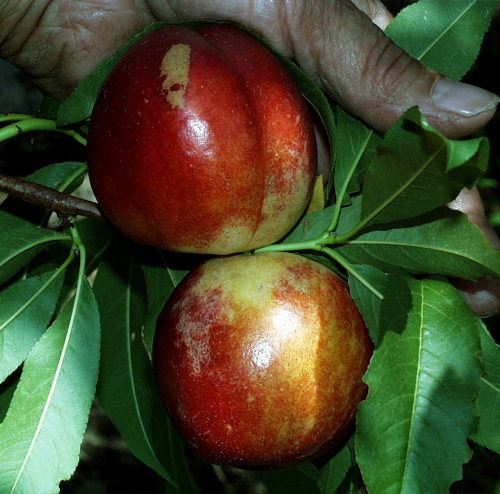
{"points": [[107, 466]]}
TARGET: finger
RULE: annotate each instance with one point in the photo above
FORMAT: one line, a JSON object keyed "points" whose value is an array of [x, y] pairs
{"points": [[482, 295], [376, 11], [372, 78], [469, 202], [57, 44]]}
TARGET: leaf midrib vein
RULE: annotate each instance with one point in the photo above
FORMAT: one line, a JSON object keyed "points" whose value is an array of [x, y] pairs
{"points": [[416, 393], [451, 25]]}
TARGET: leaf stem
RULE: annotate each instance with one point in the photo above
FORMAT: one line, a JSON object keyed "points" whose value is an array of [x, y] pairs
{"points": [[9, 117], [25, 124], [309, 245], [344, 263], [79, 248]]}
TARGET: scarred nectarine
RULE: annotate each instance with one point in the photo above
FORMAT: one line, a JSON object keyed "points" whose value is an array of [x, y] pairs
{"points": [[259, 360], [200, 141]]}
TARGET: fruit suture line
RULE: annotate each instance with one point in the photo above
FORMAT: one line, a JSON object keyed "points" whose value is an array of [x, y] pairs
{"points": [[220, 103]]}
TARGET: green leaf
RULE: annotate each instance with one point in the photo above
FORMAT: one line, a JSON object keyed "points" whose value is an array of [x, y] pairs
{"points": [[19, 246], [488, 402], [445, 35], [7, 389], [341, 474], [355, 146], [49, 108], [415, 169], [352, 483], [49, 410], [27, 307], [332, 473], [311, 226], [126, 388], [441, 242], [163, 271], [367, 290], [412, 428]]}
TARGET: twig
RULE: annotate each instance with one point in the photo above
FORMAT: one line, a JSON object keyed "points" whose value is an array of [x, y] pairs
{"points": [[49, 198]]}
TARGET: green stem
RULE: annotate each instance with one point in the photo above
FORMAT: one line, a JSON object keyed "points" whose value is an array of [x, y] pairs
{"points": [[9, 117], [317, 244], [309, 245], [39, 124], [341, 239], [79, 248], [338, 258]]}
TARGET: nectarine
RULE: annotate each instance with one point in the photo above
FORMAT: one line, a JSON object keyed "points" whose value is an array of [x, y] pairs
{"points": [[259, 360], [200, 141]]}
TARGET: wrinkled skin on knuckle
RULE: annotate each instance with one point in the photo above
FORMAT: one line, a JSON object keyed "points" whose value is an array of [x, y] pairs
{"points": [[59, 43]]}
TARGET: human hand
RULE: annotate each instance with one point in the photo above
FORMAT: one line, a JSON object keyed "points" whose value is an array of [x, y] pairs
{"points": [[58, 43], [340, 44]]}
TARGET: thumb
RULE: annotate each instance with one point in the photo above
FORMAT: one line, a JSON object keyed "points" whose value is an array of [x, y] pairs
{"points": [[374, 79]]}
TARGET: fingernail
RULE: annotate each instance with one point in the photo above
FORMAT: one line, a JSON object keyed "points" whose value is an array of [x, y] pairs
{"points": [[461, 98]]}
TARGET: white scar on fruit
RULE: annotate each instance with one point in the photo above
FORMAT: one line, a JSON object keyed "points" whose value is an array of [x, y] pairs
{"points": [[175, 66]]}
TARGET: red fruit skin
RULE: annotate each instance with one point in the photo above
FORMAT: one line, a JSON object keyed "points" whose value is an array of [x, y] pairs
{"points": [[259, 360], [201, 142]]}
